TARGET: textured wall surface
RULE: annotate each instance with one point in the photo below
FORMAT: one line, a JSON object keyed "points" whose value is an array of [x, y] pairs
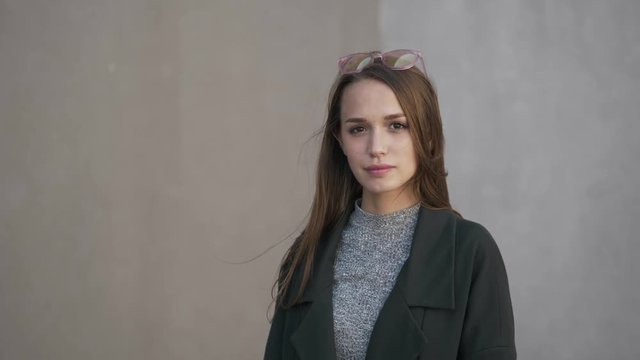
{"points": [[147, 146], [541, 115], [144, 145]]}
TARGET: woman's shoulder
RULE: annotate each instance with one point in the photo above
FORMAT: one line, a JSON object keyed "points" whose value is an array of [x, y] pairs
{"points": [[474, 241], [465, 232], [473, 232], [468, 239]]}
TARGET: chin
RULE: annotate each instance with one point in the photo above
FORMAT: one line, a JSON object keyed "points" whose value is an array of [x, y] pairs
{"points": [[380, 189]]}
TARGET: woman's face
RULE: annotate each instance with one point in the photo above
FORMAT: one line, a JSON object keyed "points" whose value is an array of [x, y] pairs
{"points": [[374, 136]]}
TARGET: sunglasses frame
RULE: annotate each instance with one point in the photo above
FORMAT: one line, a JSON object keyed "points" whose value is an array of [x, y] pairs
{"points": [[379, 57]]}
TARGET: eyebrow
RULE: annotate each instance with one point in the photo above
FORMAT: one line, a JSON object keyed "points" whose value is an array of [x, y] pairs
{"points": [[361, 120]]}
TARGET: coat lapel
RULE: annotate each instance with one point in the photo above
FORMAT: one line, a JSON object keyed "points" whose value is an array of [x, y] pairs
{"points": [[314, 338], [425, 280], [396, 333]]}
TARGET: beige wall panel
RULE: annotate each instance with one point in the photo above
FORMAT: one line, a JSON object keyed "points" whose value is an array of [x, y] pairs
{"points": [[145, 145]]}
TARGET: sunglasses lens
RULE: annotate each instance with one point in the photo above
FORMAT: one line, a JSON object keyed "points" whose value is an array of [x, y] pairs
{"points": [[355, 63], [400, 59]]}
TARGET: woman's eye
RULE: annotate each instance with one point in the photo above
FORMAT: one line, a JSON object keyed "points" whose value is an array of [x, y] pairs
{"points": [[356, 129], [398, 126]]}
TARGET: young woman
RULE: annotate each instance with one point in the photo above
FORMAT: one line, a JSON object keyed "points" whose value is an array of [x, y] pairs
{"points": [[385, 268]]}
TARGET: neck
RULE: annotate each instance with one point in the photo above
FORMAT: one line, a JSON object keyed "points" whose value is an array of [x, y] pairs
{"points": [[385, 203]]}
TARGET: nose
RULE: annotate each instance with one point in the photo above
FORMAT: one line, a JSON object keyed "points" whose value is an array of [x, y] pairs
{"points": [[377, 143]]}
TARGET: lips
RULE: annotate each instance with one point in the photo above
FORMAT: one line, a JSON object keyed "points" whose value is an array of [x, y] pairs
{"points": [[378, 170]]}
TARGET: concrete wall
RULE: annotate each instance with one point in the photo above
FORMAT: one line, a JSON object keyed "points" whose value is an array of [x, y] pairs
{"points": [[144, 147], [541, 115], [149, 149]]}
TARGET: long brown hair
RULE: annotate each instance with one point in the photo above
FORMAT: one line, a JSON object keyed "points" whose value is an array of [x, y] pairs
{"points": [[337, 188]]}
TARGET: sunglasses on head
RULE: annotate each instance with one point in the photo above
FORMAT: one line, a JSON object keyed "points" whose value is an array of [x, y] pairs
{"points": [[401, 59]]}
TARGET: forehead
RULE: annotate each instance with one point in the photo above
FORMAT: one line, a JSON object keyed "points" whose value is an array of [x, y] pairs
{"points": [[368, 99]]}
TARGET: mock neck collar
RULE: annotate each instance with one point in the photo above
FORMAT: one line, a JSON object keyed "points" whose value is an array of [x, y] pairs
{"points": [[396, 218]]}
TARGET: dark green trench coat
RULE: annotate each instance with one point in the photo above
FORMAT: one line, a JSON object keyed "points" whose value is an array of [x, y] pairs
{"points": [[450, 301]]}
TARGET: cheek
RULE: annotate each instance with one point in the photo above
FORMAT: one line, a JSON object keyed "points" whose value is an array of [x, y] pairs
{"points": [[351, 147], [408, 153], [351, 154]]}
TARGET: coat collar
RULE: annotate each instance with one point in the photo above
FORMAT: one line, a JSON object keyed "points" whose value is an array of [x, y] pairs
{"points": [[426, 279]]}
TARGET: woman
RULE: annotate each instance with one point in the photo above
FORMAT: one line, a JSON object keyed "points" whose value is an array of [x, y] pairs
{"points": [[385, 268]]}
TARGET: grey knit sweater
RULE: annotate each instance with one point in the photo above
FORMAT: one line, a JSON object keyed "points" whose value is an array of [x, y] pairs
{"points": [[369, 257]]}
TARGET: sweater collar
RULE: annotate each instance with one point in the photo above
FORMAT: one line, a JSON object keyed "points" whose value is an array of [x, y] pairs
{"points": [[396, 219]]}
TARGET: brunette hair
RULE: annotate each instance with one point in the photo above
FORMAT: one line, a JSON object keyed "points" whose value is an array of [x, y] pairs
{"points": [[337, 188]]}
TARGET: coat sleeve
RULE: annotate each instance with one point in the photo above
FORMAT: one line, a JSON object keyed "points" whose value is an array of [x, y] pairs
{"points": [[275, 347], [488, 330], [273, 350]]}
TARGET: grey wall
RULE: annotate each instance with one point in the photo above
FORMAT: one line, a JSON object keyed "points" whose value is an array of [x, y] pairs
{"points": [[542, 119], [144, 145], [147, 145]]}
